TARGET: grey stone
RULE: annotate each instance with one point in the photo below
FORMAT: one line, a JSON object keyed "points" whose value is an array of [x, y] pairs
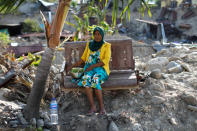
{"points": [[157, 100], [14, 126], [113, 127], [193, 82], [137, 127], [158, 47], [22, 119], [40, 123], [156, 73], [157, 123], [115, 104], [193, 108], [185, 66], [3, 69], [46, 129], [33, 122], [176, 69], [171, 64], [190, 98], [164, 76], [15, 122], [156, 63], [45, 116], [72, 122], [173, 121], [65, 105], [48, 125], [157, 87], [7, 108]]}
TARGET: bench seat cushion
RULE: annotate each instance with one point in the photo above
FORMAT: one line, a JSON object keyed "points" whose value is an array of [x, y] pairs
{"points": [[119, 80]]}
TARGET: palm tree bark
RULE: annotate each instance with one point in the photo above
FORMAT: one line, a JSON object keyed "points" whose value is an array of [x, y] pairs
{"points": [[33, 103]]}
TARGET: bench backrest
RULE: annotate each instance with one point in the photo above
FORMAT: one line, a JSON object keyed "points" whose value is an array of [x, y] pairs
{"points": [[121, 57]]}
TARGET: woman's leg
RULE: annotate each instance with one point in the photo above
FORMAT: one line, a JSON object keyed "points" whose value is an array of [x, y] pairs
{"points": [[100, 100], [90, 99]]}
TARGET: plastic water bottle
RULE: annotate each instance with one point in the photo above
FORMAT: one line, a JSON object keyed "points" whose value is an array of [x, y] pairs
{"points": [[54, 112]]}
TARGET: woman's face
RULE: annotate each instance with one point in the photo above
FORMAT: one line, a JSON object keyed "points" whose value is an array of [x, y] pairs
{"points": [[97, 36]]}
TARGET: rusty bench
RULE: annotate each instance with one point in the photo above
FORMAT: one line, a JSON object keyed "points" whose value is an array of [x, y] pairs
{"points": [[122, 64]]}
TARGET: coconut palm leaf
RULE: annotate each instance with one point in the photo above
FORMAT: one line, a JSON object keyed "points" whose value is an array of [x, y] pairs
{"points": [[9, 5]]}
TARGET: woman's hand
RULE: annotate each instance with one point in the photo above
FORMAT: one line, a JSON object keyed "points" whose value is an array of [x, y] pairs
{"points": [[89, 68], [69, 68], [100, 64]]}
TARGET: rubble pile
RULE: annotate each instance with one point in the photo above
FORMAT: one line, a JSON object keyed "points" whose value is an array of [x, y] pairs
{"points": [[15, 89], [166, 101]]}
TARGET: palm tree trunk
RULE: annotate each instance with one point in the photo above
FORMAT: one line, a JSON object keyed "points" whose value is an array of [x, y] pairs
{"points": [[33, 103]]}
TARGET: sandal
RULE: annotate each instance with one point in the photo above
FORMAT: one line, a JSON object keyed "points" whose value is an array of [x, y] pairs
{"points": [[91, 112], [102, 112]]}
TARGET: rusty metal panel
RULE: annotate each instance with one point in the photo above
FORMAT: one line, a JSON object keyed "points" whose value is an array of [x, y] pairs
{"points": [[20, 50]]}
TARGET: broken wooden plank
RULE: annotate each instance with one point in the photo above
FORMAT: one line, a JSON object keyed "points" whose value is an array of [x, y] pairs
{"points": [[13, 71]]}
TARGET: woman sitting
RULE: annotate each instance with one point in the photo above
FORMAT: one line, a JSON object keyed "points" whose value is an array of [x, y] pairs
{"points": [[96, 58]]}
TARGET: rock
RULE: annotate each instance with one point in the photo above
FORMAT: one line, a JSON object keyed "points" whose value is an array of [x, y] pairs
{"points": [[65, 105], [171, 64], [185, 66], [22, 119], [193, 82], [157, 123], [72, 122], [163, 52], [156, 73], [190, 98], [176, 69], [113, 127], [164, 76], [157, 87], [130, 103], [174, 58], [173, 121], [158, 47], [192, 57], [157, 100], [45, 116], [7, 108], [15, 122], [14, 126], [3, 92], [40, 123], [48, 125], [3, 69], [33, 122], [193, 108], [46, 129], [137, 127], [156, 63], [115, 104]]}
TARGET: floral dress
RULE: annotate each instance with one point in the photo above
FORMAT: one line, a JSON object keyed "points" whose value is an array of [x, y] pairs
{"points": [[96, 76]]}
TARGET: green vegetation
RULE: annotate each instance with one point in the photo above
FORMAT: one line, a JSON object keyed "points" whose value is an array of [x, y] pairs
{"points": [[4, 38], [77, 70], [36, 59], [31, 25], [50, 0], [82, 25]]}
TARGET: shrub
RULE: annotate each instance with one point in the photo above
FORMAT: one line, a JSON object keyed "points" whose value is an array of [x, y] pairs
{"points": [[4, 38], [31, 25]]}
